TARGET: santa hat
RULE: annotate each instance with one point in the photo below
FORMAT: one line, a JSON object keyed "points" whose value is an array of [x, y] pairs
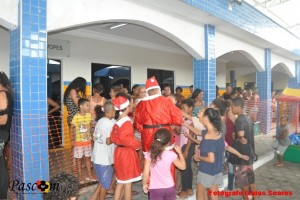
{"points": [[152, 83], [120, 103]]}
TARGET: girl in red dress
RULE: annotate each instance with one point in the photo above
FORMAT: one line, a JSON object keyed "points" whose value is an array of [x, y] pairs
{"points": [[126, 160]]}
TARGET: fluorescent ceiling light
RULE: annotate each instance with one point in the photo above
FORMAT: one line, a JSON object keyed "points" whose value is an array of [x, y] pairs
{"points": [[111, 67], [53, 62], [117, 25]]}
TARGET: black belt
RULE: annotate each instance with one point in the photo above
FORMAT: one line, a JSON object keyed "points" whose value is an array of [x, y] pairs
{"points": [[155, 126], [120, 146]]}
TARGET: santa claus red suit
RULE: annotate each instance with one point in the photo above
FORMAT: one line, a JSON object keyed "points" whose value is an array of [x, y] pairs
{"points": [[126, 160], [155, 112]]}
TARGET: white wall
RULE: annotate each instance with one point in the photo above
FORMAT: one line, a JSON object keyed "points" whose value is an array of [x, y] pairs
{"points": [[225, 44], [287, 64], [86, 51], [246, 78], [239, 71], [4, 51], [221, 74], [9, 13], [279, 80]]}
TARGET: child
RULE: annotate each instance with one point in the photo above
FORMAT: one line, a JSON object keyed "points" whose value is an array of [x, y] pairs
{"points": [[68, 187], [283, 139], [243, 124], [158, 164], [243, 169], [126, 160], [80, 126], [211, 154], [188, 148], [102, 155]]}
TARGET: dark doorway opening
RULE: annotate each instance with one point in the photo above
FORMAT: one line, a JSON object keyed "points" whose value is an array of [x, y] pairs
{"points": [[162, 76], [249, 85], [109, 75], [54, 93]]}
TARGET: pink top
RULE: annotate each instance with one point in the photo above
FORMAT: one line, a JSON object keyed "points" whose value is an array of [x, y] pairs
{"points": [[160, 173], [183, 139]]}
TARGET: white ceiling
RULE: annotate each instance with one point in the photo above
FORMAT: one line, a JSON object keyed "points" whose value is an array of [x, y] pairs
{"points": [[284, 12], [237, 60], [130, 34], [134, 32]]}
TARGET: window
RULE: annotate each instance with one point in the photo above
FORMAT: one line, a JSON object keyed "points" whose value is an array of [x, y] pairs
{"points": [[55, 131], [110, 75], [162, 76]]}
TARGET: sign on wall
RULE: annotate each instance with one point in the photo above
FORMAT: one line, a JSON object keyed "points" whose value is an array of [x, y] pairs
{"points": [[59, 48]]}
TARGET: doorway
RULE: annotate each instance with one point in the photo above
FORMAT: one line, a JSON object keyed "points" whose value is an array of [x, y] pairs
{"points": [[54, 93], [110, 75], [162, 76], [249, 85]]}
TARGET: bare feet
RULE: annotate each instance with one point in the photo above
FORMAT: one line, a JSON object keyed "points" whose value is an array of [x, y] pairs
{"points": [[110, 192], [189, 192], [182, 194], [81, 179], [279, 165], [275, 164]]}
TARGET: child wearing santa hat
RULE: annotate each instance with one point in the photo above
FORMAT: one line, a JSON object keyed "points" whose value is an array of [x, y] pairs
{"points": [[127, 166]]}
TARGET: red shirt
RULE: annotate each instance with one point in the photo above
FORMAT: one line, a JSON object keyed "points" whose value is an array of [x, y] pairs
{"points": [[229, 131], [154, 110]]}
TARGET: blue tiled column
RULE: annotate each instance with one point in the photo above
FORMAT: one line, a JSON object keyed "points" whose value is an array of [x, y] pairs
{"points": [[28, 74], [232, 78], [263, 81], [205, 70]]}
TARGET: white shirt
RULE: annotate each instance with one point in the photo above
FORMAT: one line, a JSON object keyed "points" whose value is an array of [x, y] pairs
{"points": [[103, 154]]}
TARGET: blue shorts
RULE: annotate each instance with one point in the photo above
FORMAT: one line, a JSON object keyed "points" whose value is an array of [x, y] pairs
{"points": [[104, 174]]}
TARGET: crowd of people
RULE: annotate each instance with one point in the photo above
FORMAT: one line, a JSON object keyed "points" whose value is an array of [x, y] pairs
{"points": [[154, 135]]}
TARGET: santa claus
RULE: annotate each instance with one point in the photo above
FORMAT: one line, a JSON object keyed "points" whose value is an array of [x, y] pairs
{"points": [[154, 112]]}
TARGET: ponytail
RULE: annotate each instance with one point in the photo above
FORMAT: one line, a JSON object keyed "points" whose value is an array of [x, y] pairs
{"points": [[214, 118], [162, 138], [99, 110]]}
